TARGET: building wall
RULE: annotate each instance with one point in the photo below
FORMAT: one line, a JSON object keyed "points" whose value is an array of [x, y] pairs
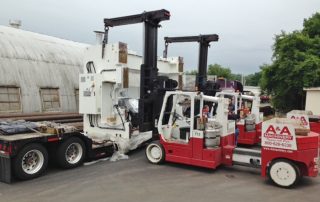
{"points": [[189, 81], [254, 89], [31, 62], [313, 100], [40, 73]]}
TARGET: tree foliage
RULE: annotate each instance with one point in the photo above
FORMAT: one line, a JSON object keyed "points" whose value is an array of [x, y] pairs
{"points": [[219, 71], [192, 72], [296, 64], [253, 79], [225, 72]]}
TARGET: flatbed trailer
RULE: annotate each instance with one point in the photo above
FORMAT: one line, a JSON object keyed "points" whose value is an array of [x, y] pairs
{"points": [[105, 121]]}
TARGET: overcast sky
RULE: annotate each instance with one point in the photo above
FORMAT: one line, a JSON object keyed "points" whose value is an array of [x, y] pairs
{"points": [[246, 27]]}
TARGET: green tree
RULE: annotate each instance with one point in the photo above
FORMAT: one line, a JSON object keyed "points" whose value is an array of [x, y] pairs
{"points": [[235, 77], [253, 79], [192, 72], [296, 64], [219, 71]]}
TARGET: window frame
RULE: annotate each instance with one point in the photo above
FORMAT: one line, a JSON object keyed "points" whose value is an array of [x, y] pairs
{"points": [[42, 94], [19, 102]]}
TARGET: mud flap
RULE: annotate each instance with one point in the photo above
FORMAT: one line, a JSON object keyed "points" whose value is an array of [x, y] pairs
{"points": [[5, 169]]}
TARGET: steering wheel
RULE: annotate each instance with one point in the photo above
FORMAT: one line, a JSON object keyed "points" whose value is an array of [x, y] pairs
{"points": [[176, 116]]}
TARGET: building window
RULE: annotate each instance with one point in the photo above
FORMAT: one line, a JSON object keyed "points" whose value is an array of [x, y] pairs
{"points": [[10, 99], [50, 99]]}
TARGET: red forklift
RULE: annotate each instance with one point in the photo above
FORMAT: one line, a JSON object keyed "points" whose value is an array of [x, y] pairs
{"points": [[208, 140], [307, 120], [249, 127], [245, 110]]}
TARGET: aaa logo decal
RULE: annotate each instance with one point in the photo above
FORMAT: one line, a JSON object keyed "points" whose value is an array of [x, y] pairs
{"points": [[278, 133]]}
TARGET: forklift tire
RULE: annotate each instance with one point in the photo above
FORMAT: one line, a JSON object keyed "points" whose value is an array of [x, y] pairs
{"points": [[155, 153], [71, 153], [284, 173], [30, 162]]}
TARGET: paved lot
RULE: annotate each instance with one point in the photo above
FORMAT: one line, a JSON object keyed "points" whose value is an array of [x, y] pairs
{"points": [[137, 180]]}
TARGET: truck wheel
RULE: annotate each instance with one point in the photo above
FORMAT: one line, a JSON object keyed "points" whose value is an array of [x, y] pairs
{"points": [[284, 173], [71, 153], [30, 162], [155, 153]]}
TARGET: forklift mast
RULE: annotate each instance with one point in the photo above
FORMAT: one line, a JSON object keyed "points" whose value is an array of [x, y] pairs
{"points": [[152, 86], [204, 43]]}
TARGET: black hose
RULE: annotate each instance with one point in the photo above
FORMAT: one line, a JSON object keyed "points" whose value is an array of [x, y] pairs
{"points": [[117, 107]]}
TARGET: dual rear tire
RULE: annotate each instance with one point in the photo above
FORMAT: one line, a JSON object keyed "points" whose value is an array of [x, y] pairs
{"points": [[32, 159], [71, 153], [30, 162]]}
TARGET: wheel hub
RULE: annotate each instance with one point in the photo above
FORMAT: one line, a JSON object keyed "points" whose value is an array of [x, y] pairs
{"points": [[32, 161], [155, 152], [73, 153], [283, 173]]}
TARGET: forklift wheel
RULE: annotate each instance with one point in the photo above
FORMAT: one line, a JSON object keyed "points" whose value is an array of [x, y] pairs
{"points": [[155, 153], [284, 173]]}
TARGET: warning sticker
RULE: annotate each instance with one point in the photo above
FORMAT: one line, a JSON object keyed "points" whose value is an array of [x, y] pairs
{"points": [[277, 135]]}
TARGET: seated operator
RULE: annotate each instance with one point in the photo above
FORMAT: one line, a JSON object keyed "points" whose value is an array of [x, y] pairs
{"points": [[206, 111], [231, 108], [186, 107]]}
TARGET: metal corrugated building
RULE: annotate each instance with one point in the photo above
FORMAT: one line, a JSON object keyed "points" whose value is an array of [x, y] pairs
{"points": [[40, 73], [37, 72]]}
